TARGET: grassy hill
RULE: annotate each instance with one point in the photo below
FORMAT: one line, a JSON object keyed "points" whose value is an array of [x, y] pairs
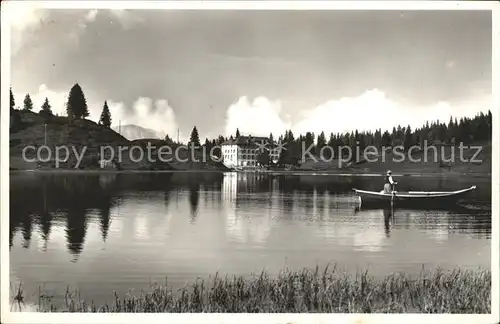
{"points": [[31, 129], [180, 158]]}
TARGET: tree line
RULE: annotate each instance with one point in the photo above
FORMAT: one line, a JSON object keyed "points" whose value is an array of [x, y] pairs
{"points": [[464, 130], [457, 130], [76, 107]]}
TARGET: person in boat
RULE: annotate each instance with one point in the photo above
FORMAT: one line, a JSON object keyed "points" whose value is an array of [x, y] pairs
{"points": [[389, 183]]}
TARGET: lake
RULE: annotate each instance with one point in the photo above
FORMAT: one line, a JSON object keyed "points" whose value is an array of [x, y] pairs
{"points": [[106, 232]]}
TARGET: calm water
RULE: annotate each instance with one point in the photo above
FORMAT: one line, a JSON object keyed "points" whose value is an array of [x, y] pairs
{"points": [[105, 232]]}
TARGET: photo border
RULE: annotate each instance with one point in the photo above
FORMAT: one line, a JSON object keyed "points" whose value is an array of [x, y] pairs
{"points": [[23, 317]]}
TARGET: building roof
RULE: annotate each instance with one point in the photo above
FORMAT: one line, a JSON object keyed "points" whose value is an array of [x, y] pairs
{"points": [[246, 140]]}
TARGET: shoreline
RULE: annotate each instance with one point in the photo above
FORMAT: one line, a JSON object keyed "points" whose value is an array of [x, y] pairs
{"points": [[270, 172], [306, 290]]}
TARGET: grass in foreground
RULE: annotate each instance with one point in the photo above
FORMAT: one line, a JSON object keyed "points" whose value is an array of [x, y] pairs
{"points": [[327, 291]]}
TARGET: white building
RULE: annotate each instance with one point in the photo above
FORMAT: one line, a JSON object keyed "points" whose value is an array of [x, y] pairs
{"points": [[244, 151]]}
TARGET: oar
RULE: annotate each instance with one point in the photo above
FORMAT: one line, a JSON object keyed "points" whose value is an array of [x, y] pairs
{"points": [[392, 197], [392, 214]]}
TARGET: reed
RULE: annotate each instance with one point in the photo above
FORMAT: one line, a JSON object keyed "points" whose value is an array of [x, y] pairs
{"points": [[305, 291]]}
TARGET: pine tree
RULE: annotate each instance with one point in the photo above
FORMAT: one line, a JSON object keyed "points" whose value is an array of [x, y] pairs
{"points": [[194, 138], [76, 107], [309, 140], [105, 119], [490, 126], [168, 140], [321, 142], [28, 104], [15, 118], [12, 101], [237, 133], [386, 138], [408, 140], [46, 110]]}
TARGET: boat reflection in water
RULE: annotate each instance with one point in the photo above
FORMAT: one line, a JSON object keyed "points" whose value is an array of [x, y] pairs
{"points": [[438, 217]]}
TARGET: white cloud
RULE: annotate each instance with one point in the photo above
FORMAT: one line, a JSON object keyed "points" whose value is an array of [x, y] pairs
{"points": [[125, 18], [26, 17], [260, 117], [156, 115], [121, 16], [91, 15], [373, 109], [370, 110], [81, 25], [58, 99], [22, 15]]}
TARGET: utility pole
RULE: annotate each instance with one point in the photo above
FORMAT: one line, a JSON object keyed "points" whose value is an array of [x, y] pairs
{"points": [[45, 135], [120, 127], [178, 135]]}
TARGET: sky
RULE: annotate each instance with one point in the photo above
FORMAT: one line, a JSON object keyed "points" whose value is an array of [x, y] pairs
{"points": [[259, 71]]}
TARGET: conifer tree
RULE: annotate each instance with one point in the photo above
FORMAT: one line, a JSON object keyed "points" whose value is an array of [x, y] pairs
{"points": [[76, 107], [408, 140], [168, 139], [28, 103], [46, 110], [321, 142], [194, 139], [12, 101], [105, 119]]}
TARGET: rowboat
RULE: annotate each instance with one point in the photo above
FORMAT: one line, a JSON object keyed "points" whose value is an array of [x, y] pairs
{"points": [[411, 197]]}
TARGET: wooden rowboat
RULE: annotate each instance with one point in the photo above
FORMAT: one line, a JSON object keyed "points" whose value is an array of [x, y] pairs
{"points": [[411, 197]]}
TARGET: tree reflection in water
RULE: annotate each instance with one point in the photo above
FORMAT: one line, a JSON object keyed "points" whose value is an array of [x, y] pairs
{"points": [[75, 200], [194, 200]]}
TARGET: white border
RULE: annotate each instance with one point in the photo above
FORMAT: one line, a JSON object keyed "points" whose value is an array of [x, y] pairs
{"points": [[8, 317]]}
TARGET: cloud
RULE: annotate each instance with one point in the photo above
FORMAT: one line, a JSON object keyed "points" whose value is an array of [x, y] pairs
{"points": [[26, 18], [58, 99], [370, 110], [373, 109], [91, 15], [125, 18], [22, 15], [259, 117], [156, 115]]}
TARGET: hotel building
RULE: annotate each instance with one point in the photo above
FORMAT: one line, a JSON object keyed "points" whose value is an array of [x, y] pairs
{"points": [[244, 151]]}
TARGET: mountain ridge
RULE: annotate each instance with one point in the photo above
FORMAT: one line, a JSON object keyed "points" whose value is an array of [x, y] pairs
{"points": [[134, 132]]}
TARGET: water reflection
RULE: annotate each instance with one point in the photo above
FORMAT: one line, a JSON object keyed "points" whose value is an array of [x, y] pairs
{"points": [[387, 221], [252, 205], [194, 200], [76, 228], [133, 228], [105, 218], [26, 227]]}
